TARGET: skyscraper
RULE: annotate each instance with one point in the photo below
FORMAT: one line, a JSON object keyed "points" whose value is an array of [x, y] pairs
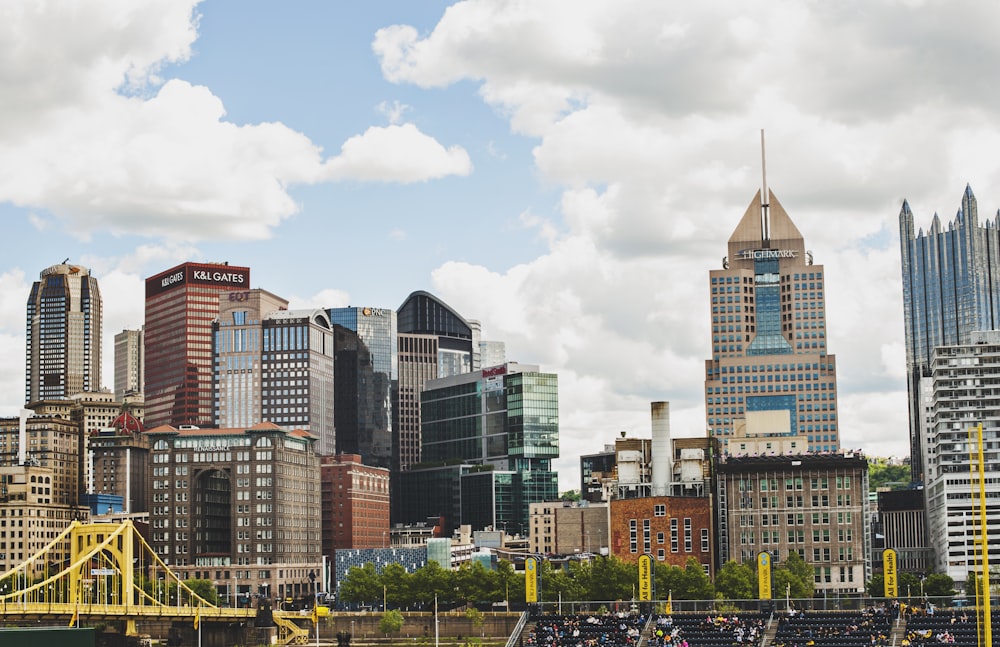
{"points": [[434, 342], [951, 288], [63, 334], [770, 374], [365, 359], [502, 424], [181, 304], [129, 360]]}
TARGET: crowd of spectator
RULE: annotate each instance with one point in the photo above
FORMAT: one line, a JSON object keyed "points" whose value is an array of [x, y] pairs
{"points": [[587, 630]]}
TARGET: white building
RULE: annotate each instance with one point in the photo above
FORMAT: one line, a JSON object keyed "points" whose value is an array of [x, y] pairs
{"points": [[965, 381]]}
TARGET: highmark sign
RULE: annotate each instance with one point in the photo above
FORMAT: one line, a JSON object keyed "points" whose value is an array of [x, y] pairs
{"points": [[766, 254]]}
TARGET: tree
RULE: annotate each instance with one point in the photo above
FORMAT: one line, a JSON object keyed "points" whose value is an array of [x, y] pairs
{"points": [[876, 586], [793, 577], [939, 585], [692, 582], [882, 474], [391, 622], [397, 583], [361, 585], [475, 583], [430, 582], [204, 589], [735, 581], [476, 618], [570, 495]]}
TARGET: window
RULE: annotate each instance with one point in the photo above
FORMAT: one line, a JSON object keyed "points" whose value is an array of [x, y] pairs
{"points": [[660, 510]]}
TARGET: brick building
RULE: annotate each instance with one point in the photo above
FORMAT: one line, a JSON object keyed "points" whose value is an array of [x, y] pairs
{"points": [[670, 528]]}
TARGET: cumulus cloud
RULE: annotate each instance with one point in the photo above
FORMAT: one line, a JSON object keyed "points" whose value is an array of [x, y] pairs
{"points": [[647, 117], [91, 133], [397, 154]]}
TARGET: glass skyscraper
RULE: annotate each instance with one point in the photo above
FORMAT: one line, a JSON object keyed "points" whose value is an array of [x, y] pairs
{"points": [[489, 438], [365, 367], [770, 378], [63, 334], [951, 288]]}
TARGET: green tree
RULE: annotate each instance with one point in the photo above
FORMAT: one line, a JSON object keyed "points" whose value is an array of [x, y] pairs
{"points": [[431, 582], [557, 584], [361, 585], [391, 622], [692, 582], [475, 583], [939, 585], [397, 583], [476, 619], [881, 474], [204, 589], [605, 578], [876, 586], [735, 581], [793, 577], [570, 495]]}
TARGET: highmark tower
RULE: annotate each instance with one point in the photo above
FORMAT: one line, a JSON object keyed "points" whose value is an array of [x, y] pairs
{"points": [[770, 386]]}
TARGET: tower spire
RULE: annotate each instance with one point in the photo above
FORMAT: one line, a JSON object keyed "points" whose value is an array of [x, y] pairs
{"points": [[765, 196]]}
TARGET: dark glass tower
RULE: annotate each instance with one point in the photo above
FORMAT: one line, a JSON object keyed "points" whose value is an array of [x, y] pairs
{"points": [[489, 438], [951, 288], [365, 363]]}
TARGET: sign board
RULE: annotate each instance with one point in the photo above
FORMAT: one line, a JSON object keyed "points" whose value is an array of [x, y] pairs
{"points": [[764, 575], [645, 578], [889, 573]]}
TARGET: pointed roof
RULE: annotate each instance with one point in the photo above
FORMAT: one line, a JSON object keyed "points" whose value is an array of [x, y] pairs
{"points": [[780, 225]]}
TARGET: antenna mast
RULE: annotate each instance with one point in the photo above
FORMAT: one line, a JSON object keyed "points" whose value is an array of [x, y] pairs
{"points": [[765, 196]]}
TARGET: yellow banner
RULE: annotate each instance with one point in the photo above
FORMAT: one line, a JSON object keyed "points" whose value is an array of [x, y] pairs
{"points": [[645, 578], [530, 580], [764, 575], [889, 573]]}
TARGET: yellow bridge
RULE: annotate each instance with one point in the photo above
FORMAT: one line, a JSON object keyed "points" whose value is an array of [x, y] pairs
{"points": [[102, 572]]}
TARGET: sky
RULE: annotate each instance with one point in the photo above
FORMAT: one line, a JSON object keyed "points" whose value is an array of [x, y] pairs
{"points": [[567, 172]]}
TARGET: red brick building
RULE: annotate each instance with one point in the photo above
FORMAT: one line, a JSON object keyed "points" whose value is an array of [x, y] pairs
{"points": [[670, 528], [355, 503]]}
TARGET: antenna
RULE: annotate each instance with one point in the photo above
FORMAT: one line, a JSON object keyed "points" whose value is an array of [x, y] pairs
{"points": [[765, 196]]}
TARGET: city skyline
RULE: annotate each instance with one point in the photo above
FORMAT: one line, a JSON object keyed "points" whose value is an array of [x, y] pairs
{"points": [[563, 172]]}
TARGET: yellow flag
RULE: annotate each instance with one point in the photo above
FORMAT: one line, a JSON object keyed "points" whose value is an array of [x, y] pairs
{"points": [[670, 604], [197, 616], [315, 613]]}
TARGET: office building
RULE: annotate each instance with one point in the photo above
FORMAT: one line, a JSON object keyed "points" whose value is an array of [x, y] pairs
{"points": [[965, 383], [489, 438], [901, 522], [951, 288], [355, 504], [434, 342], [771, 374], [63, 334], [238, 351], [181, 305], [237, 506], [365, 367], [47, 437], [30, 518], [813, 504], [129, 359]]}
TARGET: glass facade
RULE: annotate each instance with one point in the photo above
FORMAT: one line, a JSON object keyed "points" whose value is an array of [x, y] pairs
{"points": [[951, 288], [63, 334], [769, 351], [366, 368], [504, 423]]}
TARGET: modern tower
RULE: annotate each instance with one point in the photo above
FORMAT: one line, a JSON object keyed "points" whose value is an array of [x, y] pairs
{"points": [[951, 288], [489, 438], [770, 375], [63, 334], [128, 363], [365, 367], [181, 304], [434, 342]]}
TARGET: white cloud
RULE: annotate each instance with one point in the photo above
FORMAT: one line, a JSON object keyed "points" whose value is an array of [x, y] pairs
{"points": [[91, 134], [397, 154], [647, 118]]}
